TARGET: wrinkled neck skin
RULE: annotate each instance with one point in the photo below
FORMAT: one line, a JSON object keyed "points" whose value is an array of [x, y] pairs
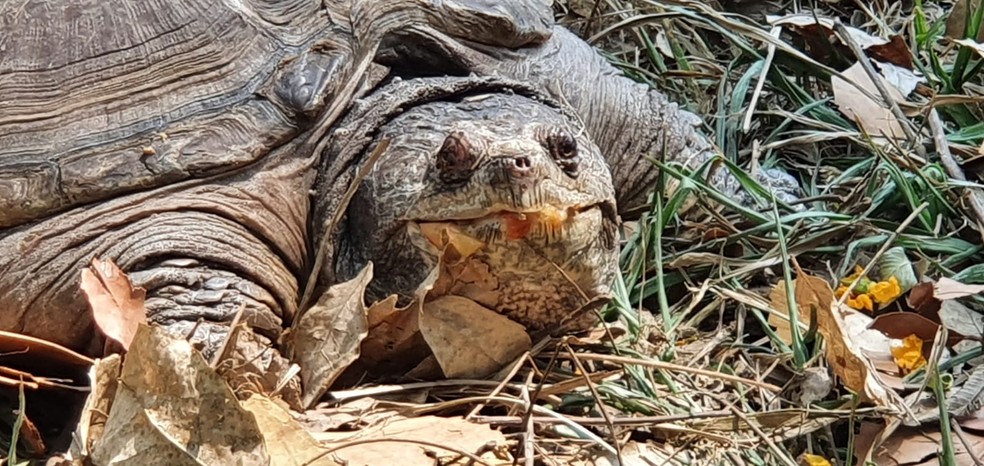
{"points": [[514, 181]]}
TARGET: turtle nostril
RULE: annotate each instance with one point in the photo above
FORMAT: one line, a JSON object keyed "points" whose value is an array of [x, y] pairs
{"points": [[522, 163]]}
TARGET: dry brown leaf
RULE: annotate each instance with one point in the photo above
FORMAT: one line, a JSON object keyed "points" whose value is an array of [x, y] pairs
{"points": [[470, 340], [633, 454], [844, 354], [327, 338], [807, 21], [921, 299], [103, 382], [443, 234], [393, 345], [172, 408], [286, 440], [117, 306], [394, 442], [876, 119], [913, 445], [956, 20], [899, 325], [819, 32], [808, 302], [947, 288], [851, 364], [250, 366]]}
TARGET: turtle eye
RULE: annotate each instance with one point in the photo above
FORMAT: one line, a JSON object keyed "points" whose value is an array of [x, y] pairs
{"points": [[456, 159], [563, 149]]}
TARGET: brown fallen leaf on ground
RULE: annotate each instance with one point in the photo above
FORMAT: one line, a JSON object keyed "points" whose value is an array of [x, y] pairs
{"points": [[286, 440], [327, 338], [393, 345], [956, 20], [251, 366], [899, 325], [172, 408], [470, 340], [103, 383], [875, 118], [423, 441], [819, 30], [843, 353], [913, 445], [117, 306]]}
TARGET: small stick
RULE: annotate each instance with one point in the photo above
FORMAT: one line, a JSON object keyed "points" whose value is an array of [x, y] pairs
{"points": [[676, 367], [953, 168]]}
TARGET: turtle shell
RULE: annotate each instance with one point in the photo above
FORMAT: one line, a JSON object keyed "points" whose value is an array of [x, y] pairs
{"points": [[101, 98]]}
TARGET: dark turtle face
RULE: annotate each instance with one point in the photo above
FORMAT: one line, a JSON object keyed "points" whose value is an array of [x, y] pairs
{"points": [[523, 196]]}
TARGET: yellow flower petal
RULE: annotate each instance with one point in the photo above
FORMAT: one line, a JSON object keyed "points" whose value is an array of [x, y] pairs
{"points": [[909, 356], [885, 292], [814, 460], [861, 302], [854, 276]]}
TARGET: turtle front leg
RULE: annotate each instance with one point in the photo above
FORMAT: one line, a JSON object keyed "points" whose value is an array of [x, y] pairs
{"points": [[204, 251]]}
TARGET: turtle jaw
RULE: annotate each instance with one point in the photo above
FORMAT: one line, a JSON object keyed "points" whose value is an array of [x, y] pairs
{"points": [[564, 226], [536, 267]]}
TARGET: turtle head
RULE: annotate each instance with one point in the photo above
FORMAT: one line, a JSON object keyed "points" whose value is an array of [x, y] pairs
{"points": [[512, 184], [524, 180]]}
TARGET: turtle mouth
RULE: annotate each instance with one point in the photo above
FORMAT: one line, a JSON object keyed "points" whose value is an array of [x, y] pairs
{"points": [[544, 224]]}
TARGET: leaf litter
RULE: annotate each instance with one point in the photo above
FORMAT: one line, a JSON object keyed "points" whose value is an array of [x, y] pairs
{"points": [[542, 405]]}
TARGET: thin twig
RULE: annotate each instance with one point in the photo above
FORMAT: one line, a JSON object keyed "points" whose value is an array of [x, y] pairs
{"points": [[974, 195], [601, 405], [676, 367], [505, 381], [758, 431], [471, 456]]}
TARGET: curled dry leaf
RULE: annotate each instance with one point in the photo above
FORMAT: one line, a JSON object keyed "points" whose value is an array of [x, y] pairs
{"points": [[912, 445], [844, 354], [819, 30], [875, 118], [393, 442], [103, 383], [172, 408], [922, 299], [393, 345], [947, 288], [900, 325], [286, 440], [326, 339], [470, 340], [117, 306]]}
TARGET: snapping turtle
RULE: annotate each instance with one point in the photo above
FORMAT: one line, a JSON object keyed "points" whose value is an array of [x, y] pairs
{"points": [[197, 144]]}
